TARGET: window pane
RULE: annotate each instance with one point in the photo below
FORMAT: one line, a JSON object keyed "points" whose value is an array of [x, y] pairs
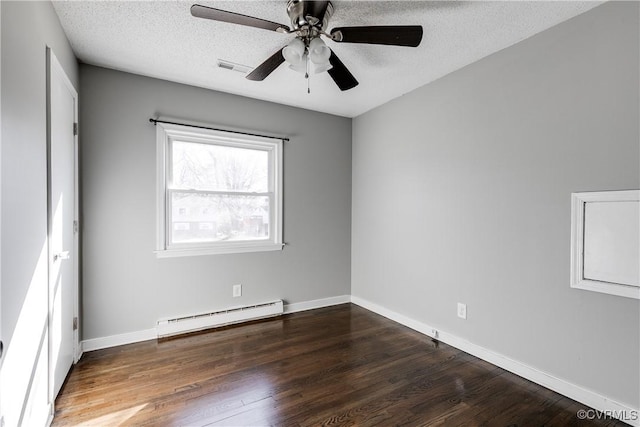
{"points": [[219, 168], [216, 218]]}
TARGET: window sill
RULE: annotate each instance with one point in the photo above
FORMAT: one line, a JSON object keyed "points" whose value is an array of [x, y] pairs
{"points": [[173, 253]]}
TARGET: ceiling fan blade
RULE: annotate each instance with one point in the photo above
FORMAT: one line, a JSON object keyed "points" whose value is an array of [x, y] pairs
{"points": [[267, 67], [339, 73], [395, 35], [205, 12]]}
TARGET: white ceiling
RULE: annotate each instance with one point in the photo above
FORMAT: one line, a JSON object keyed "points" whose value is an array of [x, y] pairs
{"points": [[161, 39]]}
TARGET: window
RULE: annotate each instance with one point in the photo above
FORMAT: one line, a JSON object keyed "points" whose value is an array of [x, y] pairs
{"points": [[605, 242], [218, 192]]}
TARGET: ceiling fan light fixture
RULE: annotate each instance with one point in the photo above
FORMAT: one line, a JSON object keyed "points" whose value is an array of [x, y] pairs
{"points": [[321, 68], [294, 52], [319, 52], [301, 66]]}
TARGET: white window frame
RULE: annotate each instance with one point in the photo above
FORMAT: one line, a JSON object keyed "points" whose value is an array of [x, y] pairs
{"points": [[578, 281], [167, 133]]}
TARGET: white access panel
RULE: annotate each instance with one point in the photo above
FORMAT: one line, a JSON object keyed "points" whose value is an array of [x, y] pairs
{"points": [[612, 242], [605, 242]]}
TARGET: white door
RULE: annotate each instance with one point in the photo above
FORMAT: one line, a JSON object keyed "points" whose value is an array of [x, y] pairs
{"points": [[62, 216]]}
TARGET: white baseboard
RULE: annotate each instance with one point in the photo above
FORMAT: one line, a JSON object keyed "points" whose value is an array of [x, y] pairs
{"points": [[79, 353], [316, 303], [590, 398], [150, 334]]}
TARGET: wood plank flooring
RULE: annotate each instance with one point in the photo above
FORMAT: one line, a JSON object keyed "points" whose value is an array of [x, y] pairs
{"points": [[341, 365]]}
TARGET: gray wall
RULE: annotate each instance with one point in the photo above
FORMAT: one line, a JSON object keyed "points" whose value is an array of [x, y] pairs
{"points": [[27, 28], [125, 287], [461, 193]]}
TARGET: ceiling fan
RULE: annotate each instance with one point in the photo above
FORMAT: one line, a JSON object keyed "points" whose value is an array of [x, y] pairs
{"points": [[309, 20]]}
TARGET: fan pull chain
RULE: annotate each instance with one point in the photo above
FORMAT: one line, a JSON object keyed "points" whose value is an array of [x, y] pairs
{"points": [[306, 76]]}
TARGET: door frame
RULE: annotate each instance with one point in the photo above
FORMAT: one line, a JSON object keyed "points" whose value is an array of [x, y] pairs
{"points": [[53, 65], [2, 349]]}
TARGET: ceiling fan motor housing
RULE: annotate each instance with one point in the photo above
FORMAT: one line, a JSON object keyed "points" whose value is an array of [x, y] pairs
{"points": [[309, 18]]}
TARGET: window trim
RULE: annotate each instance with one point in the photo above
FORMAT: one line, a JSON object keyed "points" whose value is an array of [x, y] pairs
{"points": [[578, 281], [165, 133]]}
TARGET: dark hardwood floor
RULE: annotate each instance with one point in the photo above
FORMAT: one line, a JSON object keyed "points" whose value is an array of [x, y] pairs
{"points": [[341, 365]]}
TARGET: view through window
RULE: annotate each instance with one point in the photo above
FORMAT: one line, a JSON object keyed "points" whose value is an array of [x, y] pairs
{"points": [[221, 192]]}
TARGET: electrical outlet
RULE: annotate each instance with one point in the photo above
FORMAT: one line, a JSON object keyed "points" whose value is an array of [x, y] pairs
{"points": [[462, 310], [237, 291]]}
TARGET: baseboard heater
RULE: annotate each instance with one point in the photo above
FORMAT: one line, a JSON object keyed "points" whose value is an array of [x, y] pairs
{"points": [[197, 322]]}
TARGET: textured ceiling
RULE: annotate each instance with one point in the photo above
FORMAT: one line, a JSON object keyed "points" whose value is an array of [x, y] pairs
{"points": [[161, 39]]}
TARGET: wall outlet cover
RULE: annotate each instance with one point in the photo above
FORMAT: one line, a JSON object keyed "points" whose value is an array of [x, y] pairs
{"points": [[462, 310], [237, 291]]}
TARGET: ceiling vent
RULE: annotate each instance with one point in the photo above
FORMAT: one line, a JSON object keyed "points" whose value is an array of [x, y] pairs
{"points": [[228, 65]]}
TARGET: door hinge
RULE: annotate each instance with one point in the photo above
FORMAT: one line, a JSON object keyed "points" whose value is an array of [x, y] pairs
{"points": [[75, 128], [75, 226], [75, 323]]}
